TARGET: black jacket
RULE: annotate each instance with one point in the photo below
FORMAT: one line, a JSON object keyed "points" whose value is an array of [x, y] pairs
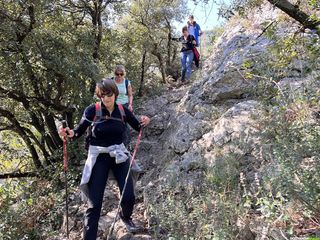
{"points": [[107, 132], [187, 44]]}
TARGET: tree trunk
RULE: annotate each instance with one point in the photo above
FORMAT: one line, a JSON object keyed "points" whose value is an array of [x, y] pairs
{"points": [[20, 130], [169, 44], [95, 14], [169, 47], [161, 65], [97, 27], [140, 93], [162, 68], [39, 144], [35, 157], [38, 124], [53, 133], [174, 56], [18, 175], [297, 14]]}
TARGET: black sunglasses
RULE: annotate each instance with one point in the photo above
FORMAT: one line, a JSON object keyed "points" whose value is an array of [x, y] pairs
{"points": [[108, 94], [119, 74]]}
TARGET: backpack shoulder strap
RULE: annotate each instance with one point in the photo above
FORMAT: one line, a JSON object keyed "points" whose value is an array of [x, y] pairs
{"points": [[98, 115], [127, 84], [122, 112]]}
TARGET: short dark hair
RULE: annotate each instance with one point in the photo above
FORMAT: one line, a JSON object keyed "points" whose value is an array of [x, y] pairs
{"points": [[191, 16], [107, 85], [185, 28]]}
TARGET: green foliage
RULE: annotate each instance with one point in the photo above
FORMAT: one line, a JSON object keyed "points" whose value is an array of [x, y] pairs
{"points": [[223, 178], [285, 58], [46, 62], [205, 209], [13, 155], [292, 180], [146, 30], [184, 212], [297, 141], [242, 7], [314, 3], [34, 208], [22, 211], [52, 53], [208, 39]]}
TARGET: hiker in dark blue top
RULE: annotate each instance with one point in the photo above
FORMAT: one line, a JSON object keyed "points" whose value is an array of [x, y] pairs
{"points": [[188, 42], [107, 140], [111, 127], [194, 29]]}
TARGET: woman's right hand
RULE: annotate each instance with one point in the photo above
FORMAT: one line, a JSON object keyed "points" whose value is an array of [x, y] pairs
{"points": [[66, 132]]}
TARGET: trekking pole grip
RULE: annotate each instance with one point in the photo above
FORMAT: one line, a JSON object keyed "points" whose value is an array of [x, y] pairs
{"points": [[64, 123]]}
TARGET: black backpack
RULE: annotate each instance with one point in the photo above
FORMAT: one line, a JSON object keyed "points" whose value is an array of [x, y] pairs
{"points": [[97, 118]]}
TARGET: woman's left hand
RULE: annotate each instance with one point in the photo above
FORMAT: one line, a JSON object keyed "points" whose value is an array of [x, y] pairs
{"points": [[144, 120], [194, 42]]}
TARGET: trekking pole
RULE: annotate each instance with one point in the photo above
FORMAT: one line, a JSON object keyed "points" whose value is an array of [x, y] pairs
{"points": [[65, 168], [200, 60], [125, 184]]}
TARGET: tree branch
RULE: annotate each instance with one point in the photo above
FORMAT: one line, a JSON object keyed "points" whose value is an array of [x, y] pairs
{"points": [[265, 29], [18, 175], [19, 129], [6, 128], [297, 14]]}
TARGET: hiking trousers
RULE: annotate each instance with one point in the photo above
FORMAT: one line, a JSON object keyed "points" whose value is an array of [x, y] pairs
{"points": [[186, 63], [96, 186]]}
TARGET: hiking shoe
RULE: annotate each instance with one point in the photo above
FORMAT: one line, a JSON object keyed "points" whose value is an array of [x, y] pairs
{"points": [[179, 84], [185, 82], [129, 224]]}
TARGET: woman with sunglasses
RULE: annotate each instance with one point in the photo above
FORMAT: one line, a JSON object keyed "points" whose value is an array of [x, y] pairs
{"points": [[124, 86], [106, 152], [125, 97]]}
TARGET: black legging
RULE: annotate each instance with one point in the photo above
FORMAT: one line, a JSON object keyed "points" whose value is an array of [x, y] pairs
{"points": [[97, 184]]}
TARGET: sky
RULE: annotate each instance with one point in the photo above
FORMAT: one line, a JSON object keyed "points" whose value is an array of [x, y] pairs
{"points": [[204, 14]]}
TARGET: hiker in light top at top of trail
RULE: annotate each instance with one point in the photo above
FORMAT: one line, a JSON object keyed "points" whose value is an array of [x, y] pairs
{"points": [[188, 44], [124, 86], [125, 95], [106, 152], [194, 29]]}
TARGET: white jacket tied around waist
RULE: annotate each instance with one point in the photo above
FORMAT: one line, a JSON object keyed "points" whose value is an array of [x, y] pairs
{"points": [[119, 152]]}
